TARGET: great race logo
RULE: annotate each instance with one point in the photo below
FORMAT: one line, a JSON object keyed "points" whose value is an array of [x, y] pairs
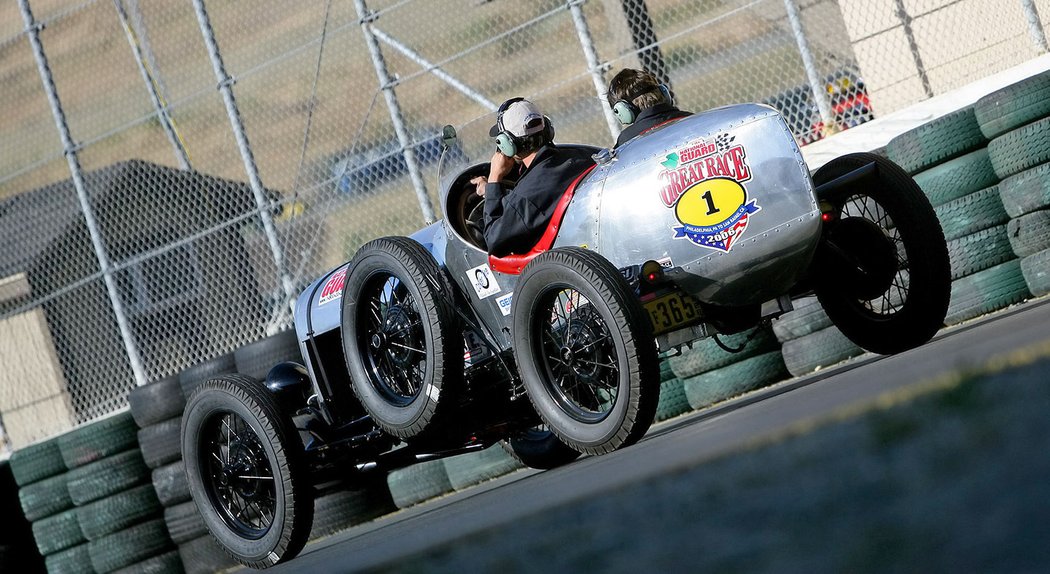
{"points": [[703, 182]]}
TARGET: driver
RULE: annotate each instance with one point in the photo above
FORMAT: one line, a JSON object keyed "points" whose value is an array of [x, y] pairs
{"points": [[516, 218], [640, 102]]}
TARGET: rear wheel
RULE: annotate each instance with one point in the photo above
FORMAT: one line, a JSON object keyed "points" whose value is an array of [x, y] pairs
{"points": [[883, 274], [246, 471], [400, 337], [586, 351]]}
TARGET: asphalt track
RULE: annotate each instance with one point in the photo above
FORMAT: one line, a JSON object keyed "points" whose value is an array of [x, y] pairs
{"points": [[677, 445]]}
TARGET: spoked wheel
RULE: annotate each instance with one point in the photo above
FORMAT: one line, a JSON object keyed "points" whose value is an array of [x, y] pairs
{"points": [[884, 277], [399, 336], [538, 447], [585, 350], [246, 471]]}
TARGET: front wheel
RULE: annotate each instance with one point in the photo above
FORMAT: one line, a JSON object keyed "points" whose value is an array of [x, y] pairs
{"points": [[883, 273], [246, 471], [585, 350]]}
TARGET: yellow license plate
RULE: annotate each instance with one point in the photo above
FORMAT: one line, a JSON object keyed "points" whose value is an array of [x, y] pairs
{"points": [[671, 311]]}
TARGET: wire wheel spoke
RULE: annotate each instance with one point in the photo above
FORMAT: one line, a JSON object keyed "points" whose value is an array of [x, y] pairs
{"points": [[395, 349], [239, 475]]}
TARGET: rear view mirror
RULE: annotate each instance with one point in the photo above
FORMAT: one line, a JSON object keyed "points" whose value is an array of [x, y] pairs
{"points": [[448, 135]]}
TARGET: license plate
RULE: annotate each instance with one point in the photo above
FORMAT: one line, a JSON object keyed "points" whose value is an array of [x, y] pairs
{"points": [[671, 311]]}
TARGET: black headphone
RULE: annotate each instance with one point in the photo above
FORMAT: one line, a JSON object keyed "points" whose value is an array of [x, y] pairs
{"points": [[625, 110], [507, 143]]}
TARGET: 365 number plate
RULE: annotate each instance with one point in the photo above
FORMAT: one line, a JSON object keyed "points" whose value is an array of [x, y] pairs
{"points": [[670, 311]]}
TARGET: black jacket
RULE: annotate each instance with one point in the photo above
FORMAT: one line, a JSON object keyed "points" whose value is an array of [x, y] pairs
{"points": [[516, 218], [648, 119]]}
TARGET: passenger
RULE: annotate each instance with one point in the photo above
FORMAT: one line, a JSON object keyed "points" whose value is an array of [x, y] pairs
{"points": [[640, 102], [515, 218]]}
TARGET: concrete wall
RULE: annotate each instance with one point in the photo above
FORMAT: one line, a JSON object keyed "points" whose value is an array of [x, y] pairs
{"points": [[957, 42]]}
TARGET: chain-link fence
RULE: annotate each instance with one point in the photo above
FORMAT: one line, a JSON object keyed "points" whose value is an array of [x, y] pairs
{"points": [[173, 173]]}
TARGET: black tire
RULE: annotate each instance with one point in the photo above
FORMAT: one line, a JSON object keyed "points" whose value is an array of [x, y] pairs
{"points": [[204, 556], [256, 359], [75, 560], [1030, 233], [160, 443], [610, 328], [36, 462], [911, 307], [1014, 106], [184, 522], [706, 355], [156, 402], [107, 477], [807, 317], [45, 498], [958, 177], [936, 141], [98, 440], [1027, 191], [58, 532], [192, 377], [979, 251], [400, 337], [414, 484], [986, 291], [342, 509], [1020, 149], [817, 350], [128, 546], [472, 468], [972, 213], [539, 448], [716, 386], [167, 563], [262, 442], [169, 481], [117, 512]]}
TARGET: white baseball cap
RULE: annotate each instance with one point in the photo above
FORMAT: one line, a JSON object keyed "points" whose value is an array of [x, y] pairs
{"points": [[521, 118]]}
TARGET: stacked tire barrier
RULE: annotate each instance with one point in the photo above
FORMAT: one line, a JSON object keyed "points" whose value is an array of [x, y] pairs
{"points": [[18, 551], [711, 374], [1017, 121], [952, 161], [88, 495], [673, 401], [810, 341]]}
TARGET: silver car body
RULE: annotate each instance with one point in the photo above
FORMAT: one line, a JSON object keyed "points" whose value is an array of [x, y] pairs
{"points": [[721, 199]]}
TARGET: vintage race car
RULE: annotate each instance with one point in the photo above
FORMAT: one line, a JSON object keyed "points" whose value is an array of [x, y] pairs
{"points": [[426, 346]]}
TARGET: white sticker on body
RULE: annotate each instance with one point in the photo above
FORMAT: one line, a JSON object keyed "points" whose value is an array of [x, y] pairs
{"points": [[333, 287], [483, 281], [504, 303]]}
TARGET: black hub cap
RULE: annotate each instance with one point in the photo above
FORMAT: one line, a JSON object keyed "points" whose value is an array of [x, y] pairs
{"points": [[578, 355], [238, 474], [392, 339], [882, 259]]}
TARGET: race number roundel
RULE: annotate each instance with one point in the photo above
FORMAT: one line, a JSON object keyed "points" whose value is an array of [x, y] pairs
{"points": [[710, 202]]}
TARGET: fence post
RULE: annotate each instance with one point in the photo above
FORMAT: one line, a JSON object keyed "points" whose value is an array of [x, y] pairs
{"points": [[70, 149], [386, 84], [1035, 26], [913, 45], [816, 84], [153, 88], [594, 66], [261, 203]]}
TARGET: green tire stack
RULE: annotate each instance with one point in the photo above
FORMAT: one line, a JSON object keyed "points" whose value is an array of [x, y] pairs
{"points": [[710, 374], [955, 165], [1017, 120], [810, 341]]}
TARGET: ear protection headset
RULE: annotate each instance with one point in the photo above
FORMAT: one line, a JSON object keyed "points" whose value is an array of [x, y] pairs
{"points": [[626, 112], [509, 144]]}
